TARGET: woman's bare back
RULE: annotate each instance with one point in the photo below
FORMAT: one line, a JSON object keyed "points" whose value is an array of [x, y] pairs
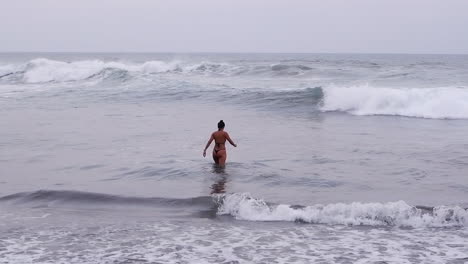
{"points": [[220, 139]]}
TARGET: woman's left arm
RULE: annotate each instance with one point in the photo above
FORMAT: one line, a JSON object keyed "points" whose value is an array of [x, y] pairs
{"points": [[230, 140]]}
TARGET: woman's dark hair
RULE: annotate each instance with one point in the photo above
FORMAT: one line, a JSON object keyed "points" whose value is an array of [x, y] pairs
{"points": [[221, 124]]}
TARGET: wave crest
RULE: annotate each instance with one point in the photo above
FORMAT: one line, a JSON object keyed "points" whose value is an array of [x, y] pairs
{"points": [[43, 70], [440, 103], [245, 207]]}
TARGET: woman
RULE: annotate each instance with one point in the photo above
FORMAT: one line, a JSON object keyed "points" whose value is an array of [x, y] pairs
{"points": [[219, 150]]}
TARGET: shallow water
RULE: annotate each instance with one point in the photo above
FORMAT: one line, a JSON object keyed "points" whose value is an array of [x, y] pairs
{"points": [[340, 158]]}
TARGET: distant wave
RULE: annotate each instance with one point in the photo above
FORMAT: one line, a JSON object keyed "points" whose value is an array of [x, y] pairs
{"points": [[243, 206], [441, 103], [319, 95], [43, 70]]}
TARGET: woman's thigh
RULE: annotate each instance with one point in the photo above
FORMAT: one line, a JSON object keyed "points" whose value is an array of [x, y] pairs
{"points": [[222, 156]]}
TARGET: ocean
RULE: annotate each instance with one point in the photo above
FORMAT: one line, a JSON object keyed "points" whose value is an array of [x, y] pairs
{"points": [[341, 158]]}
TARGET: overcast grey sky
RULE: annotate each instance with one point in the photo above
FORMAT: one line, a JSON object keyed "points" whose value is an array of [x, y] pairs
{"points": [[363, 26]]}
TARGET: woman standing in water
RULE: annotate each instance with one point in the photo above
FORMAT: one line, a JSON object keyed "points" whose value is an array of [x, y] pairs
{"points": [[219, 150]]}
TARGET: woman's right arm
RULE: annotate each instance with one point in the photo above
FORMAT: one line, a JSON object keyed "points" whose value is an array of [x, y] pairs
{"points": [[208, 144]]}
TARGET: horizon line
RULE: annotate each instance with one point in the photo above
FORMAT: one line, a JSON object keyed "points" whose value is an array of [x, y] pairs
{"points": [[232, 52]]}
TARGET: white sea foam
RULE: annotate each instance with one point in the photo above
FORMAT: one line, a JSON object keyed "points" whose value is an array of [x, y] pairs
{"points": [[444, 102], [245, 207], [42, 70], [158, 66], [45, 70], [438, 103], [86, 239]]}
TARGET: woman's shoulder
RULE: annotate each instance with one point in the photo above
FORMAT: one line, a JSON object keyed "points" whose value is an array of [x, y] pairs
{"points": [[219, 133]]}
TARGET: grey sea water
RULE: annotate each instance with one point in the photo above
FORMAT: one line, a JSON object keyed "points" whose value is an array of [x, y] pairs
{"points": [[341, 158]]}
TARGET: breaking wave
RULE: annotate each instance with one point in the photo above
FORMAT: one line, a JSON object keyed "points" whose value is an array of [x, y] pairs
{"points": [[43, 70], [431, 103], [243, 206], [440, 103], [263, 89]]}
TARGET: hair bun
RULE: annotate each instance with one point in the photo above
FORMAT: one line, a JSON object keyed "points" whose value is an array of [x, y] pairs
{"points": [[221, 124]]}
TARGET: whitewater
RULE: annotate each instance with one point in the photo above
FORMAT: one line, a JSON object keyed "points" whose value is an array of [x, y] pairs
{"points": [[341, 158]]}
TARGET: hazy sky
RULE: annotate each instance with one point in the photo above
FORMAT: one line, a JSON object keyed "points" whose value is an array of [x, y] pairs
{"points": [[364, 26]]}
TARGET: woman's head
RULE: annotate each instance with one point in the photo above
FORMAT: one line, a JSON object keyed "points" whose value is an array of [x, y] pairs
{"points": [[221, 124]]}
